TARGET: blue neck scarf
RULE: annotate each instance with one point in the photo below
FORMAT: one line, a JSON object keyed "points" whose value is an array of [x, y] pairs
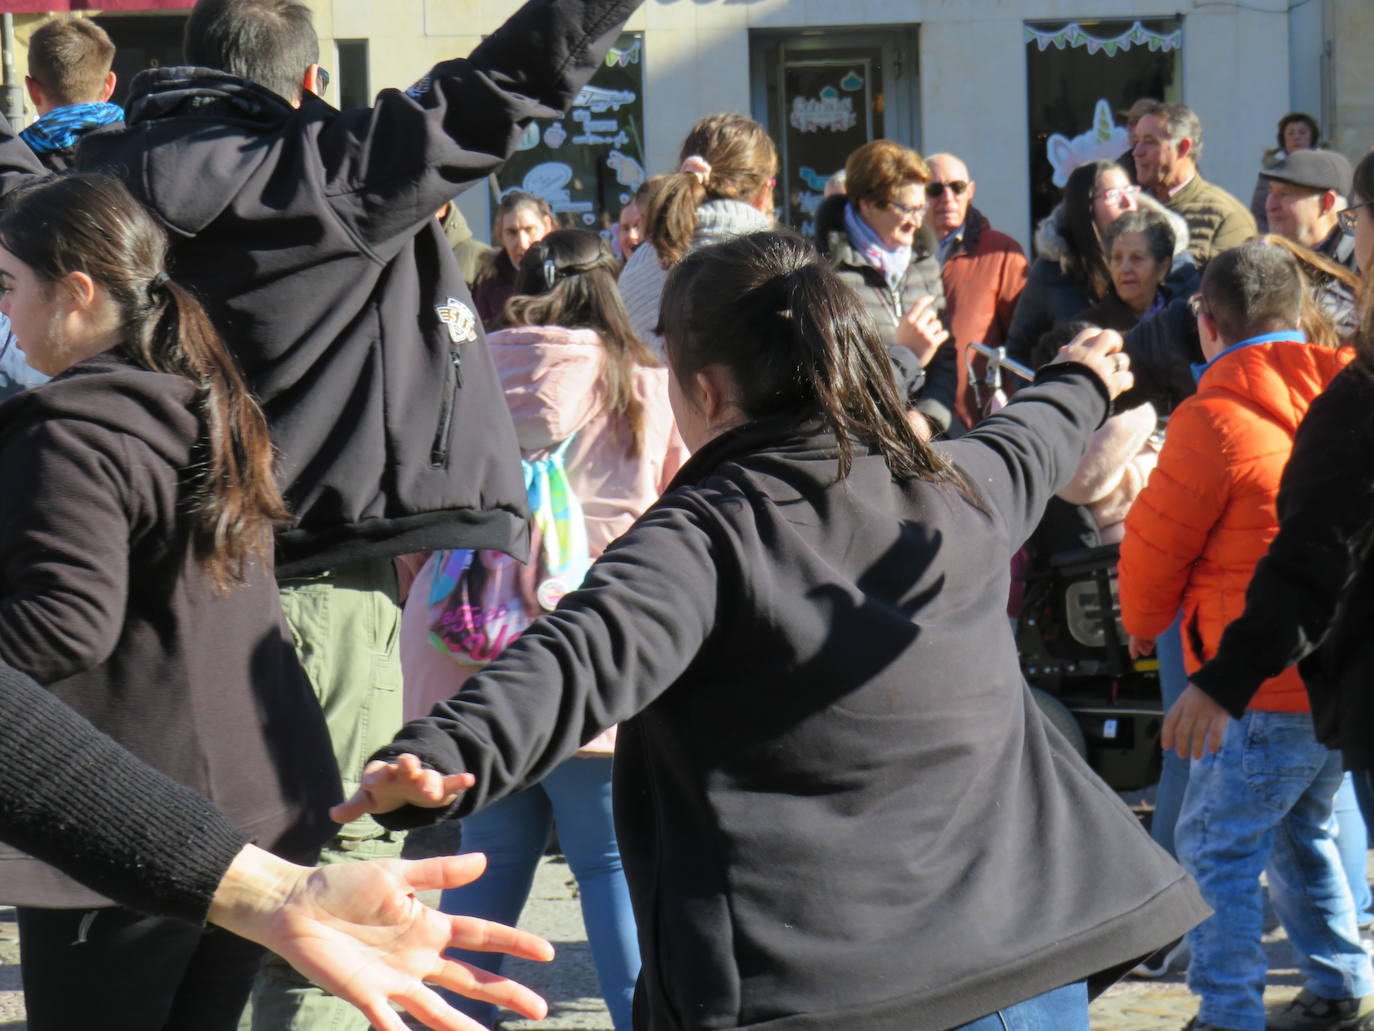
{"points": [[62, 127], [891, 263]]}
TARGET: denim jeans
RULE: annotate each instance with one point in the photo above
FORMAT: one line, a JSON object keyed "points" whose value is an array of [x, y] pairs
{"points": [[512, 833], [1352, 841], [1264, 800], [1063, 1009], [1173, 776]]}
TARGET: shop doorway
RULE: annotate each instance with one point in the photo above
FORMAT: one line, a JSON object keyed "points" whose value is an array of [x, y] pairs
{"points": [[822, 93]]}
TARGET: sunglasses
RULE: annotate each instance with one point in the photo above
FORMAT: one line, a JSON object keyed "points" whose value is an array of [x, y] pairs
{"points": [[323, 82], [1347, 219], [936, 190]]}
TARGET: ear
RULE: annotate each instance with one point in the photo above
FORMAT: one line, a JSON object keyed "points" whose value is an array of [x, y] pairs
{"points": [[972, 188], [108, 89], [762, 201], [309, 81], [81, 288], [35, 91], [1185, 147], [1329, 201], [715, 394]]}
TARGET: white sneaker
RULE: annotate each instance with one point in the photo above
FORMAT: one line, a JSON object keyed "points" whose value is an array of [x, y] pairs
{"points": [[1172, 957]]}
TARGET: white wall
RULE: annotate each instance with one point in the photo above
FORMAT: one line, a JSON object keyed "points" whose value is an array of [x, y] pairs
{"points": [[972, 71]]}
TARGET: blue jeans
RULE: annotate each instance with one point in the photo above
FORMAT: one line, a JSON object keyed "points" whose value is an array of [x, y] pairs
{"points": [[1173, 776], [1265, 800], [1352, 841], [513, 833], [1063, 1009]]}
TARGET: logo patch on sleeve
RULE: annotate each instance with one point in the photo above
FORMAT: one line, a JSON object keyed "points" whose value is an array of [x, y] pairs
{"points": [[460, 320]]}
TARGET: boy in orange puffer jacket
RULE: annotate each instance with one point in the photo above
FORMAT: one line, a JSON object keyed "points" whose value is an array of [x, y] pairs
{"points": [[1193, 538]]}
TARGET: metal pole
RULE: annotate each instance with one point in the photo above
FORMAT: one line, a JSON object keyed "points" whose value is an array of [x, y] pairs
{"points": [[14, 95]]}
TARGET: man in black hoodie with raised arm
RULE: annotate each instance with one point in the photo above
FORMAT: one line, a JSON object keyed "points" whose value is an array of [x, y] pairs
{"points": [[310, 235]]}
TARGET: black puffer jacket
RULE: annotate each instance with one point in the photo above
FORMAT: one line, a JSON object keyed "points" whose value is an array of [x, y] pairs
{"points": [[886, 306], [310, 235]]}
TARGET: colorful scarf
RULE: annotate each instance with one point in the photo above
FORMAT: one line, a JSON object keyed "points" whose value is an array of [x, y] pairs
{"points": [[891, 263], [62, 127]]}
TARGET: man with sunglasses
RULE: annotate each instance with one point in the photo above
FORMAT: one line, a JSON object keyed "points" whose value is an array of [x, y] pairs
{"points": [[983, 271]]}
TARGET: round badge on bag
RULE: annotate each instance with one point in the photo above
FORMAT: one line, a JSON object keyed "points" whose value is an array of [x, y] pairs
{"points": [[550, 593]]}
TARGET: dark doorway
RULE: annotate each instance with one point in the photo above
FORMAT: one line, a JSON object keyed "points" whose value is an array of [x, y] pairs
{"points": [[142, 41]]}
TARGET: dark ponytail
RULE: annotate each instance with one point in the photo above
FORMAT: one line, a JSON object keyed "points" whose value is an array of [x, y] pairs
{"points": [[92, 224], [797, 343]]}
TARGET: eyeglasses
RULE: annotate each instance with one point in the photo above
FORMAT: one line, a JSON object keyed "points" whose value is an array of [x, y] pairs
{"points": [[1115, 194], [937, 190], [1347, 219], [321, 80], [905, 210], [1198, 306]]}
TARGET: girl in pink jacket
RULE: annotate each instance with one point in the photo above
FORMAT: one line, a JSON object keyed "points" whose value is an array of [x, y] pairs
{"points": [[590, 404]]}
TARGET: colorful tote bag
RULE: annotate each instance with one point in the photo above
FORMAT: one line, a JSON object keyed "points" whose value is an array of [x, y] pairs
{"points": [[480, 601]]}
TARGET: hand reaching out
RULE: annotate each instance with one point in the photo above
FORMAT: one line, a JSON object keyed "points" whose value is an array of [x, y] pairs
{"points": [[390, 785], [1139, 647], [357, 930]]}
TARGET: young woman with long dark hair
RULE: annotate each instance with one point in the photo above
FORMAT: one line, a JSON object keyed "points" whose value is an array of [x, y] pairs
{"points": [[589, 399], [136, 583], [831, 781]]}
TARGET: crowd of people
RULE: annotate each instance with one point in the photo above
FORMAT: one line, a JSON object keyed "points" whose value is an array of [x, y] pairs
{"points": [[693, 541]]}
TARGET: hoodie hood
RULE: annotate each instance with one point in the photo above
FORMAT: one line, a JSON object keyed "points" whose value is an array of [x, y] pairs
{"points": [[552, 381], [1051, 235], [190, 186], [1280, 377], [108, 392]]}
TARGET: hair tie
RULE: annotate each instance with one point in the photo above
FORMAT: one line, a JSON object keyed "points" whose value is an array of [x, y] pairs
{"points": [[698, 166], [158, 282], [550, 273]]}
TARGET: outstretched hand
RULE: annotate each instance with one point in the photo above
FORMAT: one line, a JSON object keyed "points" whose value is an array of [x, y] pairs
{"points": [[357, 930], [1102, 351], [389, 785], [1195, 725]]}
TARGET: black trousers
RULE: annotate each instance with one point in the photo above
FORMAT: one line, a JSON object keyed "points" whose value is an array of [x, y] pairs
{"points": [[118, 970]]}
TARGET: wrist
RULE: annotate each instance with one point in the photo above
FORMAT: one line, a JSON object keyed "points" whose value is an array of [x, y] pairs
{"points": [[252, 892]]}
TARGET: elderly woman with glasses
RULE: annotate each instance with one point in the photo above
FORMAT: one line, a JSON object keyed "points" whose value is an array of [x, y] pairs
{"points": [[877, 239], [1071, 271]]}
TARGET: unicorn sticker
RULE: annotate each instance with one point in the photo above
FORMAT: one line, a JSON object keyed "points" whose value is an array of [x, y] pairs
{"points": [[1105, 139]]}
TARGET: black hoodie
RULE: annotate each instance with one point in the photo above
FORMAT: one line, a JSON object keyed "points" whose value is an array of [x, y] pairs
{"points": [[103, 600], [837, 804], [310, 235]]}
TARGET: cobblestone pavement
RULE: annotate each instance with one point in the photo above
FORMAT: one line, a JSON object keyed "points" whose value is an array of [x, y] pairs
{"points": [[569, 983]]}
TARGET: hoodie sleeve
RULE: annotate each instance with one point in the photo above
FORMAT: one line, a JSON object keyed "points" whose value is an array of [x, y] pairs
{"points": [[64, 557], [609, 650], [390, 167], [1018, 457], [18, 165]]}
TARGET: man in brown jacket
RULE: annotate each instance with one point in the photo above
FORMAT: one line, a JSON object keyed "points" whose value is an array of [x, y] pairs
{"points": [[983, 271], [1168, 145]]}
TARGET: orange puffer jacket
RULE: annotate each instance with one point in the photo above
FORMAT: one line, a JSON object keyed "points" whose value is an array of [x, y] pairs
{"points": [[1207, 514]]}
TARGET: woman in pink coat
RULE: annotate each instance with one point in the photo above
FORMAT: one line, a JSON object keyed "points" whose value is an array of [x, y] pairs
{"points": [[591, 411]]}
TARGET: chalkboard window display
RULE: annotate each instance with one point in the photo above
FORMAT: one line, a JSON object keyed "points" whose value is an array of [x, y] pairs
{"points": [[589, 163]]}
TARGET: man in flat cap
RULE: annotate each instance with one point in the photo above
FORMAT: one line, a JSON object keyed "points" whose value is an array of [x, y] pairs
{"points": [[1307, 189]]}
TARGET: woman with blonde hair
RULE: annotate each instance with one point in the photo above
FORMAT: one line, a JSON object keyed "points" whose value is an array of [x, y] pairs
{"points": [[723, 188]]}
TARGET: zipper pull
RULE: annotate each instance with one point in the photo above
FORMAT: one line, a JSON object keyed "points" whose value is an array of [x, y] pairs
{"points": [[456, 357]]}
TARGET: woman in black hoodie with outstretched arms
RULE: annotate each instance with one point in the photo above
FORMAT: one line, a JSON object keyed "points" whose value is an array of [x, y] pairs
{"points": [[837, 804]]}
